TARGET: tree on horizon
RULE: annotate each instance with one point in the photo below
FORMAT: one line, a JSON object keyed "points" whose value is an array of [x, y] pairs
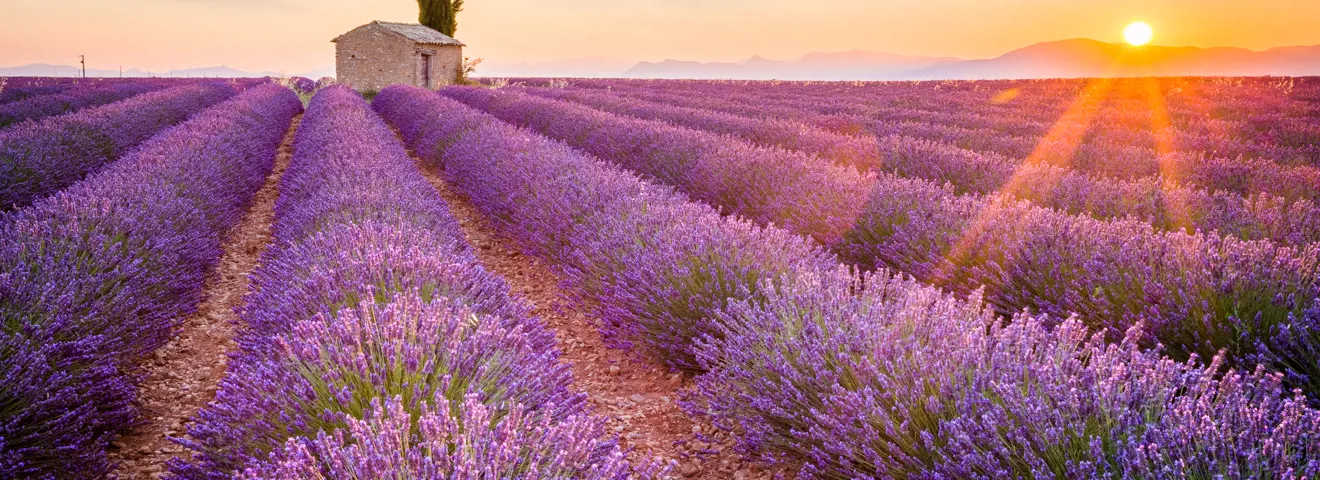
{"points": [[441, 15]]}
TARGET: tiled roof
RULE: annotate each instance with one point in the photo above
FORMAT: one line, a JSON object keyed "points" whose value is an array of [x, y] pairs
{"points": [[418, 33]]}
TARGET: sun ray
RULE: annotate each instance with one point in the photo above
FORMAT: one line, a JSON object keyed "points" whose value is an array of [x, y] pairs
{"points": [[1056, 147], [1162, 130]]}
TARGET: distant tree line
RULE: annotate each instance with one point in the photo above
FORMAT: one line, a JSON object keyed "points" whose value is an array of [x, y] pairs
{"points": [[441, 15]]}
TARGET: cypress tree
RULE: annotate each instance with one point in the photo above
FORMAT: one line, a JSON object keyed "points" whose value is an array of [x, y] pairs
{"points": [[441, 15]]}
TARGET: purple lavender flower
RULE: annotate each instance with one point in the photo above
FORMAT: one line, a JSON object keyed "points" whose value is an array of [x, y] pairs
{"points": [[303, 85], [477, 444], [876, 376]]}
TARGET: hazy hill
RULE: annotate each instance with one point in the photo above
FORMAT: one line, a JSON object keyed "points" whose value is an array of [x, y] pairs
{"points": [[1065, 58], [573, 67], [221, 71], [1091, 58], [48, 70], [851, 65]]}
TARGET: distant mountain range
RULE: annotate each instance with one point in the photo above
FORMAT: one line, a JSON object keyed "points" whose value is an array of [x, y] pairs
{"points": [[851, 65], [1061, 59], [222, 71], [595, 67], [1091, 58]]}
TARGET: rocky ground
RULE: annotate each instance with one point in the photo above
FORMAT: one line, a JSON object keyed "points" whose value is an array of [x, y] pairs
{"points": [[638, 397], [183, 375]]}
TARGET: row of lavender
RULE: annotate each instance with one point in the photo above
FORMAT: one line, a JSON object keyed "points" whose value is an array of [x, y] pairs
{"points": [[1270, 118], [19, 89], [1193, 293], [99, 275], [10, 91], [1159, 201], [71, 100], [870, 376], [41, 158], [306, 86], [375, 346], [13, 89]]}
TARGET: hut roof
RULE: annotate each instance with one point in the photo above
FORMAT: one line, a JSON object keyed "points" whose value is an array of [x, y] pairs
{"points": [[415, 32]]}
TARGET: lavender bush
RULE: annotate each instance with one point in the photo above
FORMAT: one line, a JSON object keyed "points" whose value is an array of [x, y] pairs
{"points": [[13, 93], [63, 401], [40, 158], [303, 85], [875, 376], [99, 275], [370, 295], [473, 446]]}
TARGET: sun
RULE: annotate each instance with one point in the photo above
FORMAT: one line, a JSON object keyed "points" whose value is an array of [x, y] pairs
{"points": [[1138, 33]]}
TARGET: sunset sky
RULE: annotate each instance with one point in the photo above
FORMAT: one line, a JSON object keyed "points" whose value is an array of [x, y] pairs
{"points": [[293, 36]]}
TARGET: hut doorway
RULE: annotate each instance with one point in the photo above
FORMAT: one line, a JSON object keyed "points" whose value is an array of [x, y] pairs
{"points": [[426, 70]]}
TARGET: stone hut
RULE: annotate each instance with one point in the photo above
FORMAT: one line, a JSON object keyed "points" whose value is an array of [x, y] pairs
{"points": [[380, 54]]}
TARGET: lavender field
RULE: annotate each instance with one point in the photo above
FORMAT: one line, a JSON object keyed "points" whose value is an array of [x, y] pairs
{"points": [[628, 279]]}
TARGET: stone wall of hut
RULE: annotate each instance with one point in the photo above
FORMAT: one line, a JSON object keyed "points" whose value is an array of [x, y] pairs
{"points": [[372, 58]]}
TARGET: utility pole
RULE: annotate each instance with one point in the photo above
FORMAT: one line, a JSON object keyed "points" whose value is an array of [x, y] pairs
{"points": [[121, 71], [83, 60]]}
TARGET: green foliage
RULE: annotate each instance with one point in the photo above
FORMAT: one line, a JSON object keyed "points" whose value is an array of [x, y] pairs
{"points": [[465, 73], [441, 15]]}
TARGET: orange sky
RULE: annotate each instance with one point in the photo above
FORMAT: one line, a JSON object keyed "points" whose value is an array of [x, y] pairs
{"points": [[292, 36]]}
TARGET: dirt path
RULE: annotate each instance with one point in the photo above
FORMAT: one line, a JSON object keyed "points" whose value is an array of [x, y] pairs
{"points": [[182, 376], [639, 398]]}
